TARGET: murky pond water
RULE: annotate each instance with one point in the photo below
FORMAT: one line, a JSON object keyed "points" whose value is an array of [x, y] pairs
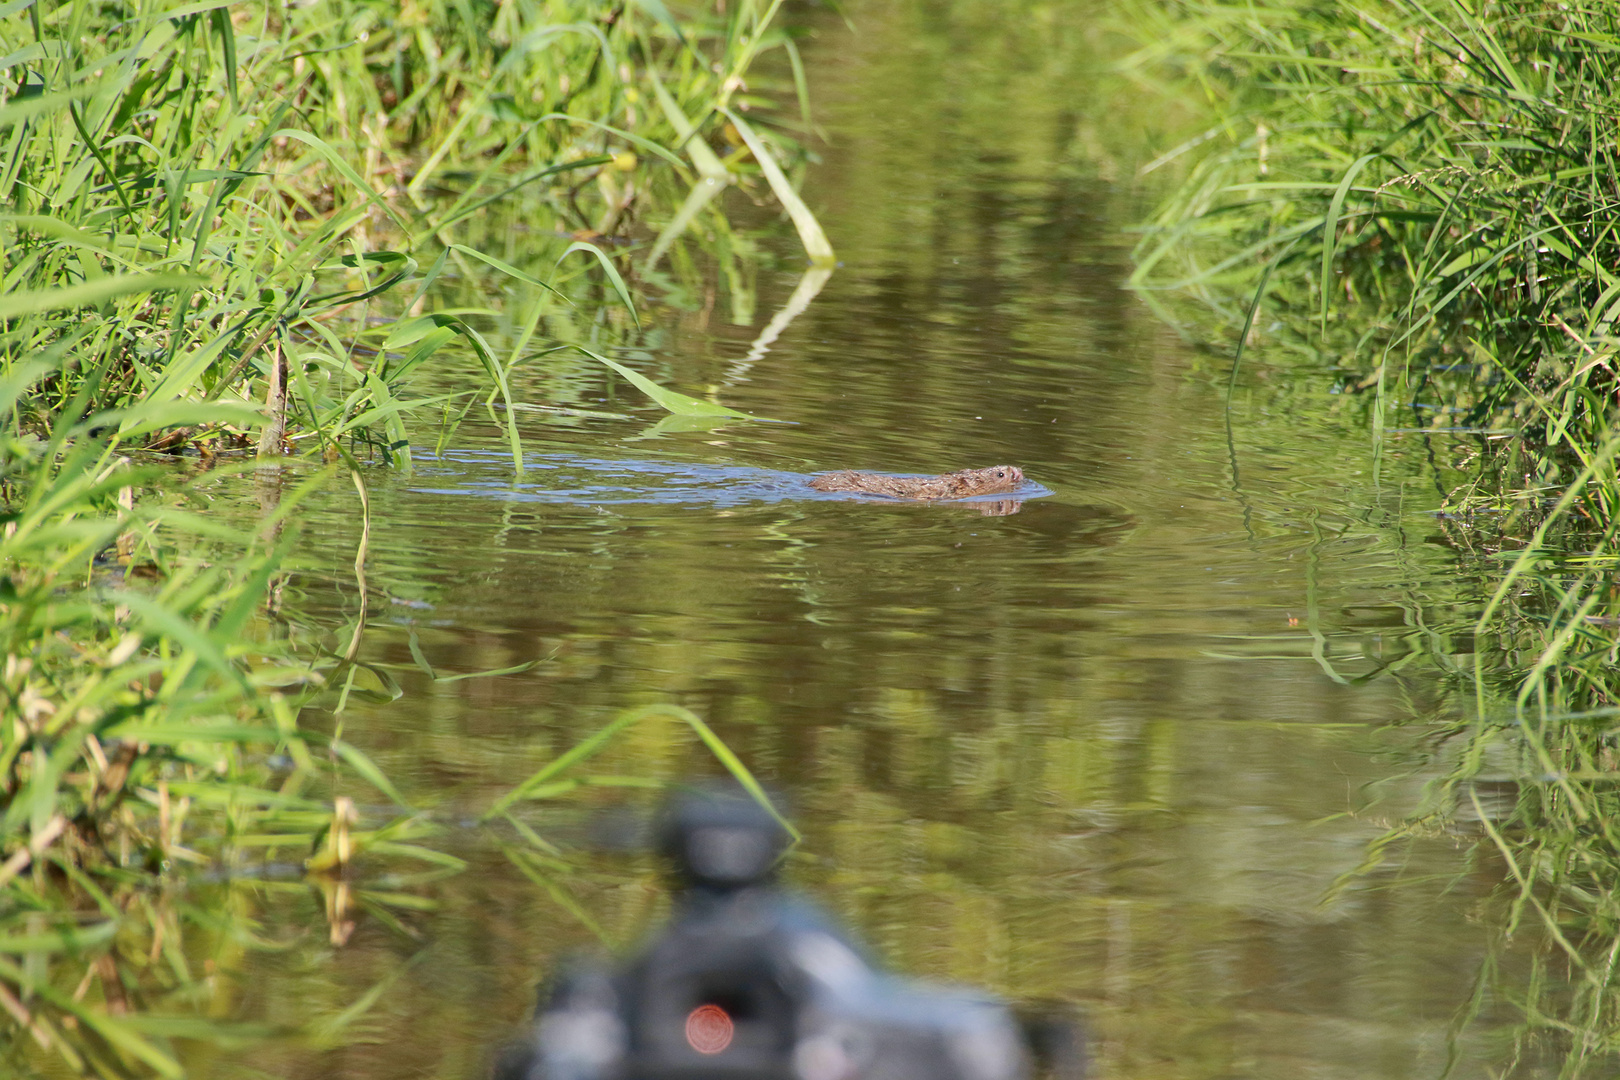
{"points": [[1115, 748]]}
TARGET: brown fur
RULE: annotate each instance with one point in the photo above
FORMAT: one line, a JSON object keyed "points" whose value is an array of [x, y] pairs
{"points": [[996, 480]]}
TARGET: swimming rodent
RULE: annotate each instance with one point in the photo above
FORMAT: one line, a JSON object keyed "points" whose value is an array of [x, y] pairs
{"points": [[996, 480]]}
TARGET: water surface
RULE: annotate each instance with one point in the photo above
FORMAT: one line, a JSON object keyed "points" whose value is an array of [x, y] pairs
{"points": [[1115, 749]]}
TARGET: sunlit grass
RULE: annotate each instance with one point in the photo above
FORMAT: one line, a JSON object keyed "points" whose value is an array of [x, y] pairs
{"points": [[1423, 194], [226, 231]]}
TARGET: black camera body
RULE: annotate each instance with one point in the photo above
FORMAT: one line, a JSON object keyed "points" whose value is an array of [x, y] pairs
{"points": [[749, 982]]}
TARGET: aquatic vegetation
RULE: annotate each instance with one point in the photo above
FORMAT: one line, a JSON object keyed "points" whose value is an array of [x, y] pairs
{"points": [[1422, 196], [141, 696], [226, 230]]}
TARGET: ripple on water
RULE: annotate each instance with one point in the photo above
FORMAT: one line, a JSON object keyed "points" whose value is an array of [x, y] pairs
{"points": [[587, 481]]}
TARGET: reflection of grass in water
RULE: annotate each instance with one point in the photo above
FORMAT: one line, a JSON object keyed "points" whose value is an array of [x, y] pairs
{"points": [[160, 724], [1421, 196], [1550, 703]]}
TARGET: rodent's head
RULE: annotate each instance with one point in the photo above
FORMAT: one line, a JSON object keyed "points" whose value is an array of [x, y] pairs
{"points": [[992, 481]]}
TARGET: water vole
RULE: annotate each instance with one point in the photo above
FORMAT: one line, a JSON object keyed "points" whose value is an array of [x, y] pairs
{"points": [[996, 480]]}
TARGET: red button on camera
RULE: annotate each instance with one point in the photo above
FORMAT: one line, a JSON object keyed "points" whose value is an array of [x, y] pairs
{"points": [[708, 1029]]}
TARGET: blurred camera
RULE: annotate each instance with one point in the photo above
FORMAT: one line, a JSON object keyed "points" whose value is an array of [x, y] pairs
{"points": [[751, 982]]}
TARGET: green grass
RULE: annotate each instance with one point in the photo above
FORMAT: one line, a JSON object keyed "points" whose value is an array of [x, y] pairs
{"points": [[210, 207], [1422, 194], [228, 232], [1442, 182]]}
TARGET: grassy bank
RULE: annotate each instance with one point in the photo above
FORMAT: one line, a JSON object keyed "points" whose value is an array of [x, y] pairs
{"points": [[1420, 196], [225, 228]]}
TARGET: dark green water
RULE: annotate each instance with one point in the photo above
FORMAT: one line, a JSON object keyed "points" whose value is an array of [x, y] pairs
{"points": [[1114, 748]]}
